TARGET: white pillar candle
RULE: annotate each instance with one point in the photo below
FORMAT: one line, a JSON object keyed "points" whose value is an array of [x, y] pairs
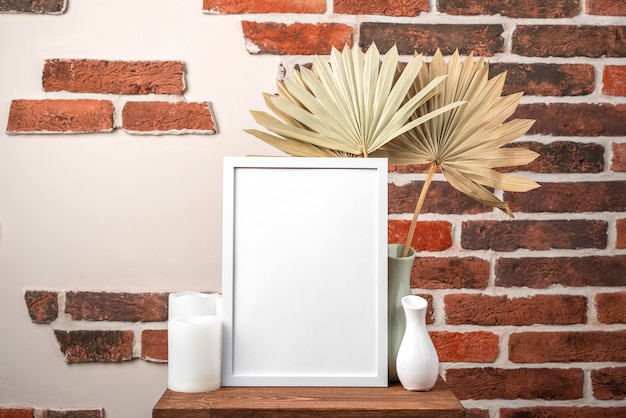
{"points": [[194, 353], [191, 303]]}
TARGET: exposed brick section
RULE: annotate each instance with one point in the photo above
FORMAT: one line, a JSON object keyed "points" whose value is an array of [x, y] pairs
{"points": [[511, 8], [538, 79], [296, 38], [478, 347], [543, 347], [86, 346], [442, 198], [606, 7], [563, 412], [148, 117], [265, 6], [540, 273], [17, 412], [574, 119], [430, 311], [492, 383], [381, 7], [533, 235], [43, 306], [476, 413], [571, 198], [619, 157], [73, 413], [450, 273], [501, 310], [116, 77], [614, 80], [485, 40], [35, 7], [569, 41], [60, 116], [563, 157], [609, 383], [154, 345], [109, 306], [429, 235], [621, 233], [611, 307]]}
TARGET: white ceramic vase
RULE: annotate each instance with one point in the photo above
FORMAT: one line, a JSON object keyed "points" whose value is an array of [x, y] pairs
{"points": [[417, 363]]}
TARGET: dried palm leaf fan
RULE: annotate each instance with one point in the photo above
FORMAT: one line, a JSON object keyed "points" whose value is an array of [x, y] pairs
{"points": [[465, 142], [349, 107]]}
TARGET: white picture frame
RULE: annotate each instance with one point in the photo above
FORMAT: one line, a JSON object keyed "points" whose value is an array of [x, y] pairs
{"points": [[304, 272]]}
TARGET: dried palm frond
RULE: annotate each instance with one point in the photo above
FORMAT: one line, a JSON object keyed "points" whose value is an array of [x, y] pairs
{"points": [[348, 107]]}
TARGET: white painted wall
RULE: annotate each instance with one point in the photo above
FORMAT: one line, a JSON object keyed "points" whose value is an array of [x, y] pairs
{"points": [[113, 211]]}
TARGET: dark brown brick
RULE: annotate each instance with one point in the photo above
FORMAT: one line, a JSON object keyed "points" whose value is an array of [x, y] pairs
{"points": [[611, 307], [73, 413], [150, 117], [43, 306], [501, 310], [563, 412], [614, 80], [441, 198], [543, 272], [493, 383], [154, 345], [621, 233], [618, 163], [263, 6], [562, 157], [484, 40], [429, 235], [8, 412], [565, 347], [606, 7], [450, 273], [569, 41], [512, 8], [35, 7], [88, 346], [609, 383], [476, 347], [111, 306], [381, 7], [533, 235], [538, 79], [476, 413]]}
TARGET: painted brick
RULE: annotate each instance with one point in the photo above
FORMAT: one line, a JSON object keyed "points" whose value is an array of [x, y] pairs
{"points": [[442, 198], [154, 345], [73, 413], [488, 310], [543, 347], [110, 306], [151, 117], [16, 412], [36, 7], [263, 6], [541, 273], [575, 197], [485, 40], [87, 346], [512, 8], [611, 307], [116, 77], [429, 235], [539, 79], [477, 347], [536, 383], [563, 412], [606, 7], [533, 235], [450, 273], [295, 38], [574, 119], [614, 80], [43, 306], [618, 162], [60, 116], [609, 383], [621, 233], [563, 157], [569, 41], [381, 7]]}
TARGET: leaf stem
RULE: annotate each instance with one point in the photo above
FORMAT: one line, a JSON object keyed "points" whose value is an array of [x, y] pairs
{"points": [[418, 208]]}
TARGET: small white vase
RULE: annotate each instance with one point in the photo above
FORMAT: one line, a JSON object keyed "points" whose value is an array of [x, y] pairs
{"points": [[417, 363]]}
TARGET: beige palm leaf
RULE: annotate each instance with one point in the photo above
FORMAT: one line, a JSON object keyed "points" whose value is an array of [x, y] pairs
{"points": [[465, 143], [348, 107]]}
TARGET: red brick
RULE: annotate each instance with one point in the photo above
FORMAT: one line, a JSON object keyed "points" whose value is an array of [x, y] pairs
{"points": [[430, 311], [563, 412], [381, 7], [477, 309], [484, 40], [606, 7], [565, 347], [450, 273], [538, 79], [17, 412], [621, 233], [87, 346], [569, 41], [611, 307], [533, 235], [562, 157], [35, 7], [429, 235], [476, 413], [539, 383], [609, 383], [477, 347], [511, 8], [441, 198], [154, 345], [110, 306], [543, 272], [574, 119], [73, 413], [60, 116], [619, 157], [43, 306], [168, 117], [263, 6], [614, 80], [295, 38]]}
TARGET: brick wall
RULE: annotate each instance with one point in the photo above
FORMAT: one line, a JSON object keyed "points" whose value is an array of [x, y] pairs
{"points": [[528, 316]]}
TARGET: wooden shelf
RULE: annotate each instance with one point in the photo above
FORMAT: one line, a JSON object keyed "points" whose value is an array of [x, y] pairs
{"points": [[301, 402]]}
